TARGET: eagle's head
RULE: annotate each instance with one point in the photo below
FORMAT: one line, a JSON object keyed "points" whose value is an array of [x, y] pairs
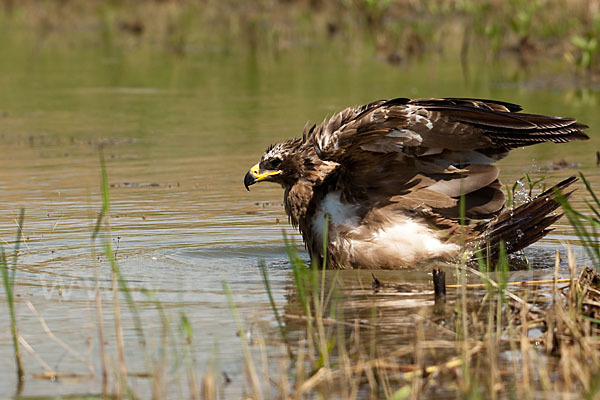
{"points": [[283, 163]]}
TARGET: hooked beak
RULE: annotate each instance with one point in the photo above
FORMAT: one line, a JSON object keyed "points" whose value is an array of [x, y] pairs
{"points": [[256, 175]]}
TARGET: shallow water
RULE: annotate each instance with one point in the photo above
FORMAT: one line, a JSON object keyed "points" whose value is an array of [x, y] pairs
{"points": [[179, 133]]}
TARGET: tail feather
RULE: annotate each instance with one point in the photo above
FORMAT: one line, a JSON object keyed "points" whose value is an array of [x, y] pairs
{"points": [[524, 225]]}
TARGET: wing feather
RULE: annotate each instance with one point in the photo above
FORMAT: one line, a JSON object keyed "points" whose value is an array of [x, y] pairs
{"points": [[427, 152]]}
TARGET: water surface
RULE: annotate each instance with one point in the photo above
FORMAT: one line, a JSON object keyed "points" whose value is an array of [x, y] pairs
{"points": [[178, 134]]}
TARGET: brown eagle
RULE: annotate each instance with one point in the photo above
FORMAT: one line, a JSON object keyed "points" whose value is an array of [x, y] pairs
{"points": [[389, 177]]}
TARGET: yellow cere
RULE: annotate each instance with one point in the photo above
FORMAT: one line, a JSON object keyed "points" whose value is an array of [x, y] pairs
{"points": [[255, 171]]}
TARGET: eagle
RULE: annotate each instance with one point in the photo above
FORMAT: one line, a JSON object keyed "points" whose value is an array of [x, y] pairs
{"points": [[395, 183]]}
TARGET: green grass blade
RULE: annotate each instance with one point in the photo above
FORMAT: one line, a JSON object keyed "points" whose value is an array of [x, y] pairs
{"points": [[584, 226], [108, 251], [298, 271], [267, 283], [17, 244]]}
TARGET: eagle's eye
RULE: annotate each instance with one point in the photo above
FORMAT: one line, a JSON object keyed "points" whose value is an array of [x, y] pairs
{"points": [[275, 163]]}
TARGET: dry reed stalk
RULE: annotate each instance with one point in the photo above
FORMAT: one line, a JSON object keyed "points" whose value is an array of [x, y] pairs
{"points": [[555, 285], [384, 379], [465, 383], [160, 381], [432, 325], [373, 384], [450, 364], [37, 357], [321, 376], [416, 372], [262, 345], [417, 382], [354, 384], [53, 375], [515, 283], [565, 357], [513, 342], [300, 368], [492, 342], [209, 387], [284, 384], [495, 284], [122, 386], [251, 375], [572, 298], [52, 336], [525, 356], [190, 371], [193, 384], [542, 372]]}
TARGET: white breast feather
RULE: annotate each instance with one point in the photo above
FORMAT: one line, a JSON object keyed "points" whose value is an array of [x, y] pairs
{"points": [[339, 214], [402, 242]]}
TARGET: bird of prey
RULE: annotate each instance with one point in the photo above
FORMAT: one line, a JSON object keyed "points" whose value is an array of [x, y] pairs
{"points": [[390, 178]]}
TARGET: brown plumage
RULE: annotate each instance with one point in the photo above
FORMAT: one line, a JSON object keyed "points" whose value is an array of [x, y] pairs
{"points": [[389, 176]]}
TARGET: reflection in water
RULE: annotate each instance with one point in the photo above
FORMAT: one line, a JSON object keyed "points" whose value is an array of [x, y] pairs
{"points": [[390, 324], [178, 134]]}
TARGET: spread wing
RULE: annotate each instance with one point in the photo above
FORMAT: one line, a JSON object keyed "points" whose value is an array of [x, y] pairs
{"points": [[422, 154]]}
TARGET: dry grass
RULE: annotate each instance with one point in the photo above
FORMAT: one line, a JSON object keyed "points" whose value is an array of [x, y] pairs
{"points": [[492, 339], [534, 341]]}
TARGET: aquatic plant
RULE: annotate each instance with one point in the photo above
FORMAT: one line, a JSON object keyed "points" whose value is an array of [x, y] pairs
{"points": [[588, 50], [251, 375], [586, 225], [522, 189], [522, 13], [8, 280]]}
